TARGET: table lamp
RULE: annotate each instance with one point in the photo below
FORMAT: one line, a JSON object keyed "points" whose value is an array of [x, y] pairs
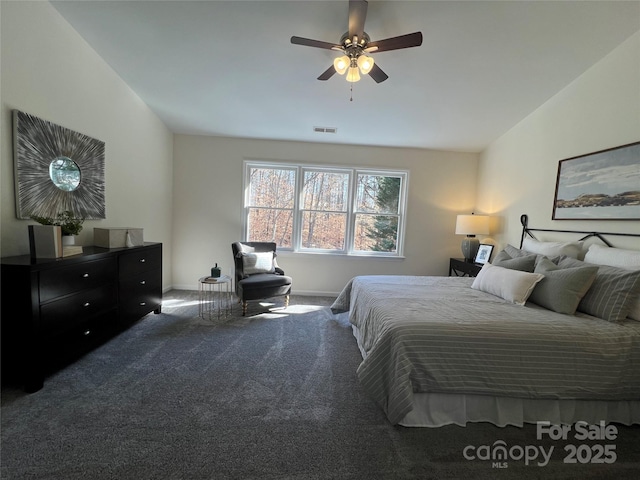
{"points": [[471, 225]]}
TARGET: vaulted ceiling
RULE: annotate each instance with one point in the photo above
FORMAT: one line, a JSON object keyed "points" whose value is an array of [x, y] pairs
{"points": [[228, 67]]}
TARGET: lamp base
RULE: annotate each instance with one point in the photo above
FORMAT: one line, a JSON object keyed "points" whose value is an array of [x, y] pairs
{"points": [[470, 247]]}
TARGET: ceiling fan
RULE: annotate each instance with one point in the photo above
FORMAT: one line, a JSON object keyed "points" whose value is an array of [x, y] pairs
{"points": [[356, 45]]}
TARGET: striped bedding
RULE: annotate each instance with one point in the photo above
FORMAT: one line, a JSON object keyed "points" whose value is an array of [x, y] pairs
{"points": [[436, 334]]}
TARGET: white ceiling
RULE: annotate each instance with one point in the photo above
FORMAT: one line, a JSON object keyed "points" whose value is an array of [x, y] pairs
{"points": [[228, 67]]}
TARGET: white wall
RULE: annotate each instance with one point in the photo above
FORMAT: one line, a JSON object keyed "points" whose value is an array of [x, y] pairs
{"points": [[599, 110], [208, 208], [49, 71]]}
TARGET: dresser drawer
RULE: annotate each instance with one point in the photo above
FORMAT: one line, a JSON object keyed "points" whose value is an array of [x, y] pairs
{"points": [[71, 310], [139, 260], [65, 280], [141, 294]]}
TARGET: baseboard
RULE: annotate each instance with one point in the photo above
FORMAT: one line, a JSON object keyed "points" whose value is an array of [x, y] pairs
{"points": [[308, 293], [314, 293]]}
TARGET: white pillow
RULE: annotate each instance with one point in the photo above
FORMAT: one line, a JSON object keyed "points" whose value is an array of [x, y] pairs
{"points": [[553, 249], [614, 257], [617, 257], [512, 285], [257, 262]]}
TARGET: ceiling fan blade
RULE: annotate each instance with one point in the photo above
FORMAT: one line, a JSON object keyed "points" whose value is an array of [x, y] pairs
{"points": [[396, 43], [357, 16], [327, 74], [377, 74], [307, 42]]}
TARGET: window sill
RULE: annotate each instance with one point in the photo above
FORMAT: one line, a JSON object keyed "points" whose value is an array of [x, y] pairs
{"points": [[290, 253]]}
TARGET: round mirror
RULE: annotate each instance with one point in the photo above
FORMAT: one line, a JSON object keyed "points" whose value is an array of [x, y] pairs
{"points": [[64, 173]]}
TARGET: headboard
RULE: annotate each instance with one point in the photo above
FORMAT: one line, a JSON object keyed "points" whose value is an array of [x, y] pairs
{"points": [[524, 220]]}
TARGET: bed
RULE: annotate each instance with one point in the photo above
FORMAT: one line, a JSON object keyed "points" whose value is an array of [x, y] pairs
{"points": [[453, 350]]}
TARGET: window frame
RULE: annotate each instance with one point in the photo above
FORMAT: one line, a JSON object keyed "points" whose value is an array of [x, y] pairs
{"points": [[351, 213]]}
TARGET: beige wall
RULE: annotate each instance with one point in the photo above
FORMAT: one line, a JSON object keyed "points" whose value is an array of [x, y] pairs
{"points": [[599, 110], [49, 71], [208, 207]]}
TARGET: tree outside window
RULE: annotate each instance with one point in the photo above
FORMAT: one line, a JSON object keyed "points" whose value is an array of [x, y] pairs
{"points": [[270, 205], [377, 213]]}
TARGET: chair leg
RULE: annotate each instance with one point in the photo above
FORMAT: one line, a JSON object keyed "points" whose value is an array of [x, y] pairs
{"points": [[245, 304], [286, 301]]}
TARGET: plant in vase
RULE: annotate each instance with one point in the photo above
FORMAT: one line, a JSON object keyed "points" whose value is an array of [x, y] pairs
{"points": [[68, 223]]}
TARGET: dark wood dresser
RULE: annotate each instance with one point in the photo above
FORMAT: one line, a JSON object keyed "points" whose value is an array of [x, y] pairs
{"points": [[52, 306]]}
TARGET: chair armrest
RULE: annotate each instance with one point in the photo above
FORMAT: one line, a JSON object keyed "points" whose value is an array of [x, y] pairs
{"points": [[279, 271]]}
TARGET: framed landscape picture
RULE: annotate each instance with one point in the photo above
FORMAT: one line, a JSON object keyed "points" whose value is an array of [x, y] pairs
{"points": [[603, 185]]}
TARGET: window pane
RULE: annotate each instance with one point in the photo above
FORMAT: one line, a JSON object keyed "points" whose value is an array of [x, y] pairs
{"points": [[325, 191], [323, 230], [378, 194], [376, 233], [270, 225], [272, 187]]}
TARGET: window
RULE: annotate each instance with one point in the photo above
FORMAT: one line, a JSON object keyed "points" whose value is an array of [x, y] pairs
{"points": [[307, 208]]}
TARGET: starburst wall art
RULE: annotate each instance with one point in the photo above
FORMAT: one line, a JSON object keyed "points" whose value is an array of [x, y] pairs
{"points": [[56, 170]]}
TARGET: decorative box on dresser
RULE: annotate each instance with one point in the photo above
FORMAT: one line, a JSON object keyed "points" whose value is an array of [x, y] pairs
{"points": [[52, 305]]}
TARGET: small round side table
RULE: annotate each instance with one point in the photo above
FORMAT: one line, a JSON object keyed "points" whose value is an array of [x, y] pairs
{"points": [[214, 295]]}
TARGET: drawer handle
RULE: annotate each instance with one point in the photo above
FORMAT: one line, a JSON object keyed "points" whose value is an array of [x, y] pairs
{"points": [[143, 282], [142, 260], [86, 304], [142, 304], [86, 275]]}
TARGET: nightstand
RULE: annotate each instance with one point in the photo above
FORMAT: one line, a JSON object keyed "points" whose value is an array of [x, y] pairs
{"points": [[461, 268]]}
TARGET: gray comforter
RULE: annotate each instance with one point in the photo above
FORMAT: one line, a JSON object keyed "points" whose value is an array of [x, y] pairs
{"points": [[436, 334]]}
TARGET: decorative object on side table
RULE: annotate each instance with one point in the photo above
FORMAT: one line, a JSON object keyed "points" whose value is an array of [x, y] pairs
{"points": [[599, 186], [56, 169], [215, 271], [484, 254], [471, 225]]}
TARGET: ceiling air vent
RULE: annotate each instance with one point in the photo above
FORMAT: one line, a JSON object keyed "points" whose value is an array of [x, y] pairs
{"points": [[325, 129]]}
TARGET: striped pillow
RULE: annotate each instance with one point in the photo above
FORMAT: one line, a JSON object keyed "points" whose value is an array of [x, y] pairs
{"points": [[617, 257], [612, 293]]}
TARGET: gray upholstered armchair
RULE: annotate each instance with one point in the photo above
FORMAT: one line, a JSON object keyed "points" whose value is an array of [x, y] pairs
{"points": [[257, 273]]}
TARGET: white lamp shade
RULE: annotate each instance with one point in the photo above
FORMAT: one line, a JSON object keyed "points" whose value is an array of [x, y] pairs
{"points": [[472, 225], [341, 64], [353, 75], [365, 64]]}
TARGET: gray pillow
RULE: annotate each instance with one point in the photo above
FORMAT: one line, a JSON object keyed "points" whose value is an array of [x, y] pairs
{"points": [[561, 289], [612, 293], [514, 252], [524, 264]]}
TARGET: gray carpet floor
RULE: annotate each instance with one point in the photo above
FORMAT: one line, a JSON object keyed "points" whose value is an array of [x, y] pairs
{"points": [[272, 395]]}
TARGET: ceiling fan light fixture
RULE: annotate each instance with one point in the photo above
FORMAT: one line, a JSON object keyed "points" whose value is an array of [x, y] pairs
{"points": [[365, 64], [353, 75], [341, 64]]}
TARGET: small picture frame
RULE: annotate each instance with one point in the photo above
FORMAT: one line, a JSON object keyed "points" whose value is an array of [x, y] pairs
{"points": [[484, 253]]}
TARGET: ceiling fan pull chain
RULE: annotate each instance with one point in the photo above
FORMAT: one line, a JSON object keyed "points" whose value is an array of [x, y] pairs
{"points": [[351, 99]]}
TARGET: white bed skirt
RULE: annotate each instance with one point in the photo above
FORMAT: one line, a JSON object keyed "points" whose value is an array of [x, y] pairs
{"points": [[439, 409]]}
